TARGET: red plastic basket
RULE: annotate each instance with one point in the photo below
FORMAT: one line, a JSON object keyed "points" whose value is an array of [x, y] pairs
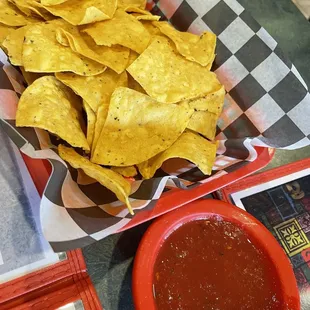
{"points": [[40, 171]]}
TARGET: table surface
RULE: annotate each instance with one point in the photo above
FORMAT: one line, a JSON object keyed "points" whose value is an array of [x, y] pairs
{"points": [[110, 261]]}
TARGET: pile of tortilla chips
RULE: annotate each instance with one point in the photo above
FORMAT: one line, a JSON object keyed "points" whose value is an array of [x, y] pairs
{"points": [[107, 77]]}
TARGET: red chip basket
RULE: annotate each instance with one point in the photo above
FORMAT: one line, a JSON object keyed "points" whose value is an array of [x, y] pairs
{"points": [[51, 287], [40, 171]]}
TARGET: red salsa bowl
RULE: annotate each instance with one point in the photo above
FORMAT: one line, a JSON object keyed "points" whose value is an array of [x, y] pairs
{"points": [[212, 255]]}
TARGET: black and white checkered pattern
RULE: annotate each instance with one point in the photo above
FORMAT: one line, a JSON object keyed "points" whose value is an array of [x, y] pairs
{"points": [[267, 98], [267, 104]]}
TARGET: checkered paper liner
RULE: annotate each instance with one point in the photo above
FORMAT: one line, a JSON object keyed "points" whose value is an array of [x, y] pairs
{"points": [[267, 104]]}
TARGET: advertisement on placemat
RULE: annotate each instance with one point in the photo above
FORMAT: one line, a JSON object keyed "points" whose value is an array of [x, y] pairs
{"points": [[284, 208]]}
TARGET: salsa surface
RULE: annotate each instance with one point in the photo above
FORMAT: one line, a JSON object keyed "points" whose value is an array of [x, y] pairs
{"points": [[212, 264]]}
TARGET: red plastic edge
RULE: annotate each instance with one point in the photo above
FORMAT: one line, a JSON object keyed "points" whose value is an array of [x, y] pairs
{"points": [[178, 197], [51, 287], [162, 227], [40, 171], [264, 177]]}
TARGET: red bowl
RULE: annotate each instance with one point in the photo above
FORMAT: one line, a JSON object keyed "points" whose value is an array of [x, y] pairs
{"points": [[165, 225]]}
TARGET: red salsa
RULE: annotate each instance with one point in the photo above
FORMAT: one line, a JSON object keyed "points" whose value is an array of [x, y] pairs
{"points": [[212, 264]]}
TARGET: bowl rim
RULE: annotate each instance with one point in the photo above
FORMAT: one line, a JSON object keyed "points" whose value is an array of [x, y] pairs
{"points": [[157, 233]]}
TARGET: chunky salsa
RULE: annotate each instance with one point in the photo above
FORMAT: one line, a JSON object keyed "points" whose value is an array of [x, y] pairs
{"points": [[212, 264]]}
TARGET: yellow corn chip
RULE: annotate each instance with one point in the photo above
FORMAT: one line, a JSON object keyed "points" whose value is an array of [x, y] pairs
{"points": [[209, 65], [136, 9], [152, 30], [114, 57], [204, 122], [193, 47], [212, 102], [137, 128], [11, 16], [4, 32], [84, 179], [168, 77], [95, 90], [188, 146], [24, 10], [122, 29], [52, 2], [132, 57], [39, 39], [30, 7], [133, 84], [30, 77], [62, 38], [129, 171], [101, 117], [125, 4], [141, 14], [50, 105], [91, 121], [146, 17], [14, 45], [106, 177], [84, 11]]}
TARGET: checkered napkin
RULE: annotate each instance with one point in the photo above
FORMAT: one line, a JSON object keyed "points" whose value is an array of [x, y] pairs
{"points": [[267, 104]]}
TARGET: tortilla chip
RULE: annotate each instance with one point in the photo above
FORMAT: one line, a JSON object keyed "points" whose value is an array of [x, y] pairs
{"points": [[4, 32], [129, 171], [188, 146], [84, 179], [212, 102], [152, 30], [84, 11], [101, 117], [30, 77], [62, 38], [106, 177], [21, 8], [126, 4], [210, 64], [32, 7], [11, 16], [204, 122], [133, 84], [137, 128], [146, 17], [50, 105], [136, 9], [168, 77], [40, 42], [52, 2], [91, 121], [122, 29], [193, 47], [114, 57], [99, 87], [132, 57], [14, 45]]}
